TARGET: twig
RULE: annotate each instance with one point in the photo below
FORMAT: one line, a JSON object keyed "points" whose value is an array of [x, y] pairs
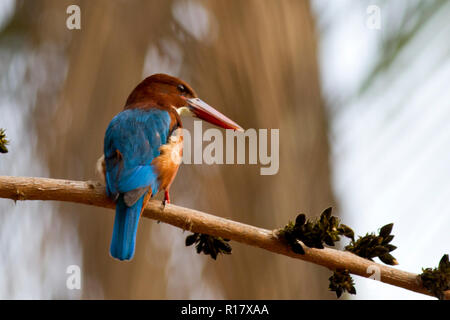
{"points": [[93, 193]]}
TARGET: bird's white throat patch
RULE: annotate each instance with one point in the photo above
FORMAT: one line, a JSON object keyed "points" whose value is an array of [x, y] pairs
{"points": [[185, 111]]}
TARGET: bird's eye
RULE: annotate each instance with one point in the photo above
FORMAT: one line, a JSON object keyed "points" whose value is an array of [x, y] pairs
{"points": [[181, 88]]}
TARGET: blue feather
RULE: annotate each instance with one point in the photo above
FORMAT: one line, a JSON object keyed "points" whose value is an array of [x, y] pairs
{"points": [[132, 141], [125, 227], [137, 134]]}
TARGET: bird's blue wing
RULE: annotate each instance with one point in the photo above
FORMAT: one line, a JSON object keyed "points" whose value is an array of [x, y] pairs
{"points": [[132, 141]]}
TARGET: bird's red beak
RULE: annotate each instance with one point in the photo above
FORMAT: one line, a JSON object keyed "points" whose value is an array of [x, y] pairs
{"points": [[205, 112]]}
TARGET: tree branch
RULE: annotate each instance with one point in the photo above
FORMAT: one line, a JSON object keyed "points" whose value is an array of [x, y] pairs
{"points": [[93, 193]]}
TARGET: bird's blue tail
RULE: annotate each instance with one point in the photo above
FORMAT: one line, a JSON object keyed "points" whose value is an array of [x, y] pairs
{"points": [[125, 226]]}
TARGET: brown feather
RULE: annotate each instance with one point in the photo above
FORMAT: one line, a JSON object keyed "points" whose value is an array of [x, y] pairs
{"points": [[169, 160]]}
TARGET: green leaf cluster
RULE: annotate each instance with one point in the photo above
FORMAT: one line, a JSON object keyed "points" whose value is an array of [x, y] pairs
{"points": [[315, 233], [3, 141], [437, 280], [371, 246], [327, 230], [209, 245], [341, 281]]}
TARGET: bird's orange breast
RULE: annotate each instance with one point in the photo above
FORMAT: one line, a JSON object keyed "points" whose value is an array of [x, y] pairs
{"points": [[169, 160]]}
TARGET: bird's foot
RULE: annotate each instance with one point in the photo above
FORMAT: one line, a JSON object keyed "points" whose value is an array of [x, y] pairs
{"points": [[166, 199]]}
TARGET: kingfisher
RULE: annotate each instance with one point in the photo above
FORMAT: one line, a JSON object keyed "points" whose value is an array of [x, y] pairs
{"points": [[143, 146]]}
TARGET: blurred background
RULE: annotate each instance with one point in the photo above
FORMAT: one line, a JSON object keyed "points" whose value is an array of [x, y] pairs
{"points": [[363, 116]]}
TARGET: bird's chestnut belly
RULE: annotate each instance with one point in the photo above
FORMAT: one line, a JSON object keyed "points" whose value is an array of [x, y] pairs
{"points": [[169, 160]]}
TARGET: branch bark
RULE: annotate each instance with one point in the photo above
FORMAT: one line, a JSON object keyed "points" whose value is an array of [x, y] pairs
{"points": [[93, 193]]}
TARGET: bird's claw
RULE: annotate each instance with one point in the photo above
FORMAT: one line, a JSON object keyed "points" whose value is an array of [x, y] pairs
{"points": [[166, 199]]}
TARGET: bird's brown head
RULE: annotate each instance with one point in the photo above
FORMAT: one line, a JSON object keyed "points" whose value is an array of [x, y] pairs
{"points": [[164, 91]]}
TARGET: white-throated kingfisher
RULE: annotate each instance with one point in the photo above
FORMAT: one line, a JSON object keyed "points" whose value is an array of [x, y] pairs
{"points": [[143, 149]]}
